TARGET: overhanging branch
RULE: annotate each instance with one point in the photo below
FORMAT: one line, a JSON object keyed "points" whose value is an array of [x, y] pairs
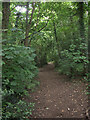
{"points": [[34, 33]]}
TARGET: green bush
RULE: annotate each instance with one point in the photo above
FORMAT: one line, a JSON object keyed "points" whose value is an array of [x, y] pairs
{"points": [[73, 61], [19, 72]]}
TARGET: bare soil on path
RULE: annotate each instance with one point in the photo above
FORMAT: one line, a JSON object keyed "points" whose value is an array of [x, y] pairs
{"points": [[57, 97]]}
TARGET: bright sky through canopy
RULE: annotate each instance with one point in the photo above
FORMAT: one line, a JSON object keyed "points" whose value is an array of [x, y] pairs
{"points": [[21, 9]]}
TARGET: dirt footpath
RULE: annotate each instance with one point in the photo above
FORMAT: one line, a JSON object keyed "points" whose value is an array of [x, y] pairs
{"points": [[57, 97]]}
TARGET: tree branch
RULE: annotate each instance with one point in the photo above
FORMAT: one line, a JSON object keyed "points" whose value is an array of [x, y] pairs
{"points": [[33, 5], [34, 32], [37, 17]]}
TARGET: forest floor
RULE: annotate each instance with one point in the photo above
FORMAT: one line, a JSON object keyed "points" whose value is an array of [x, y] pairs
{"points": [[57, 97]]}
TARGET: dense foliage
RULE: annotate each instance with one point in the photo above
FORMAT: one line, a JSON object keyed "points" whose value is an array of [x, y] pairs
{"points": [[19, 72], [73, 61]]}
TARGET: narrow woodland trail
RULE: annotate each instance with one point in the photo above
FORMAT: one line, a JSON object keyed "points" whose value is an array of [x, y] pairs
{"points": [[57, 97]]}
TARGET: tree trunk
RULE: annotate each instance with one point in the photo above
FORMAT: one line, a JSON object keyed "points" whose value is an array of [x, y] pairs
{"points": [[28, 24], [56, 39], [89, 36], [81, 20], [5, 18], [27, 29]]}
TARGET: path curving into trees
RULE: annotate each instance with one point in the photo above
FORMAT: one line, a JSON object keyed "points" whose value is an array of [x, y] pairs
{"points": [[57, 97]]}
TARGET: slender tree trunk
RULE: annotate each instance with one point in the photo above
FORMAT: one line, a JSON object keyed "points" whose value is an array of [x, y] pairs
{"points": [[81, 20], [89, 36], [5, 18], [82, 30], [27, 29], [72, 33], [56, 38], [28, 24]]}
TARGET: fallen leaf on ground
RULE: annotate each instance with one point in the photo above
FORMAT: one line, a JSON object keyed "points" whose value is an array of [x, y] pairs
{"points": [[68, 109], [62, 110]]}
